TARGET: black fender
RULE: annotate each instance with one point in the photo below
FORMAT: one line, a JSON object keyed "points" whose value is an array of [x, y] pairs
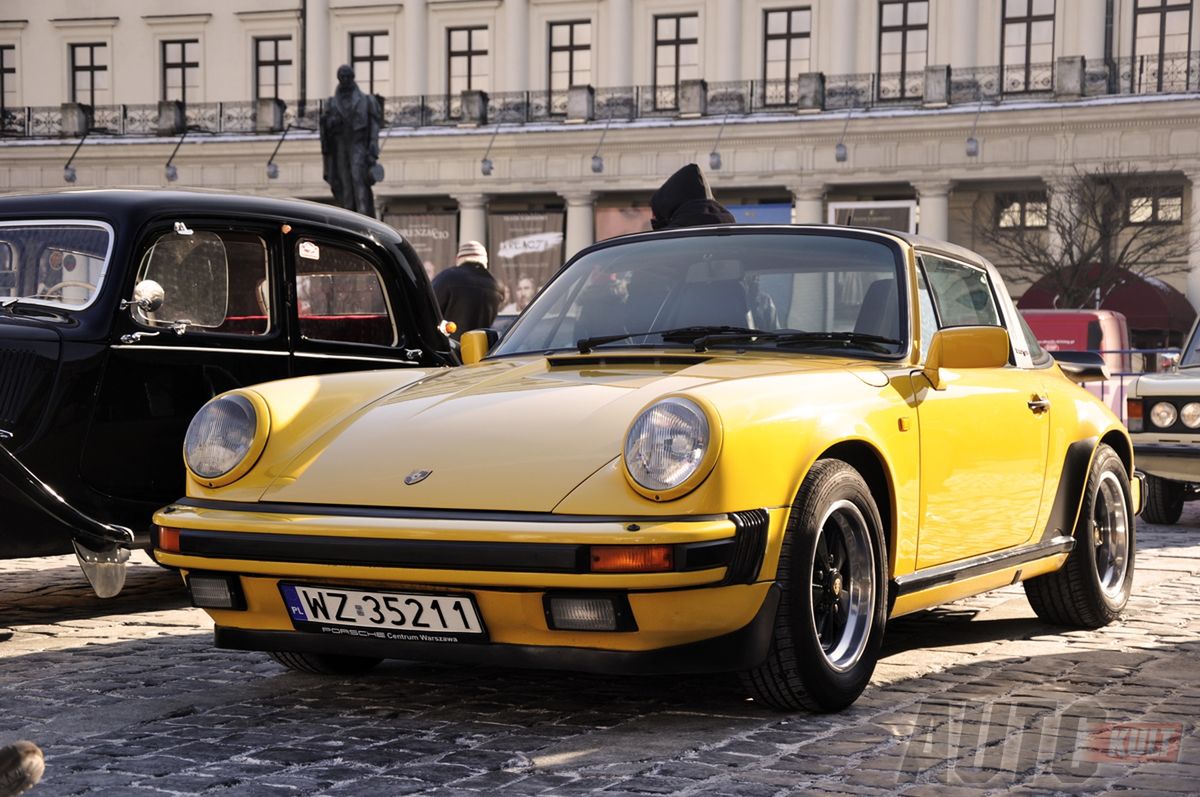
{"points": [[1064, 512], [85, 529]]}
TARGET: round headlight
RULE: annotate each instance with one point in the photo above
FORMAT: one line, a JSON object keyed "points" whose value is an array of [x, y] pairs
{"points": [[1163, 414], [666, 446], [225, 438], [1190, 415]]}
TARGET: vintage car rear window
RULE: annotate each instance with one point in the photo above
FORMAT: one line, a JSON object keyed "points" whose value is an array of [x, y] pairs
{"points": [[828, 285], [57, 263]]}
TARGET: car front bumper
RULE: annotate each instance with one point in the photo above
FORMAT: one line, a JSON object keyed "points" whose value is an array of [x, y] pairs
{"points": [[1177, 462], [713, 612]]}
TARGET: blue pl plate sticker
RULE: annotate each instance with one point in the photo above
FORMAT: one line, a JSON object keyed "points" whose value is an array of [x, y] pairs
{"points": [[295, 607]]}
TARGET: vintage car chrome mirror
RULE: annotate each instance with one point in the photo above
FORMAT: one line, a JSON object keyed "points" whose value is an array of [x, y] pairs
{"points": [[148, 296], [103, 568]]}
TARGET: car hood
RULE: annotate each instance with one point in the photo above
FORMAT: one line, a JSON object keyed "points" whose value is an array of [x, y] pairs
{"points": [[1184, 382], [512, 434]]}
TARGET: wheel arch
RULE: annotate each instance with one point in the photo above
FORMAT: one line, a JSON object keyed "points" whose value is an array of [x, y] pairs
{"points": [[870, 464], [1120, 443]]}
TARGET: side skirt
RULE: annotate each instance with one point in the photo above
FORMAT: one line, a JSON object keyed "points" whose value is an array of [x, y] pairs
{"points": [[953, 580]]}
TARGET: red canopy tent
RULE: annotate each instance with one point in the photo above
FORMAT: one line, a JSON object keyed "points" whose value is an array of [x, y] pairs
{"points": [[1158, 315]]}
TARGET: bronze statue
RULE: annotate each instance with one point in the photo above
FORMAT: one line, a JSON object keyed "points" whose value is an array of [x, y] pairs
{"points": [[350, 124]]}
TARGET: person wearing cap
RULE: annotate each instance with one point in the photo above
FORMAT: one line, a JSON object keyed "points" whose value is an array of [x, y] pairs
{"points": [[468, 293]]}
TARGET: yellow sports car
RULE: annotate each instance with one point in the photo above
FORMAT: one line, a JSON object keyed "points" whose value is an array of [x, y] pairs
{"points": [[733, 448]]}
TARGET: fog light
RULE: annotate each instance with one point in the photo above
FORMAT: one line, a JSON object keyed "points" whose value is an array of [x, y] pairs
{"points": [[215, 592], [582, 614]]}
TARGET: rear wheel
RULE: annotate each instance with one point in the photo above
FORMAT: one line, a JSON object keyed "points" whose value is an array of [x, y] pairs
{"points": [[325, 663], [1164, 500], [1092, 588], [833, 575]]}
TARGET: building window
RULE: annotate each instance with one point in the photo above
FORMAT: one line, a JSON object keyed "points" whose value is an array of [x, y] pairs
{"points": [[1022, 211], [8, 78], [273, 68], [570, 55], [1165, 207], [786, 49], [369, 59], [903, 46], [676, 57], [1161, 41], [180, 69], [1027, 45], [89, 72], [466, 61]]}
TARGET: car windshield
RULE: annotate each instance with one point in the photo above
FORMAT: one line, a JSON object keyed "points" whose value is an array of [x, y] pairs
{"points": [[61, 264], [1190, 356], [781, 290]]}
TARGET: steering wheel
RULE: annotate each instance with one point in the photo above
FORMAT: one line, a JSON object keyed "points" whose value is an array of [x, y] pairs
{"points": [[67, 284]]}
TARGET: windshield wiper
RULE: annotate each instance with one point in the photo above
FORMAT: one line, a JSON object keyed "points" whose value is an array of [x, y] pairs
{"points": [[682, 334], [793, 337]]}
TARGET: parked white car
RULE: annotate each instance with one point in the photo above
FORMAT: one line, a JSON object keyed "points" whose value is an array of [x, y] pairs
{"points": [[1164, 419]]}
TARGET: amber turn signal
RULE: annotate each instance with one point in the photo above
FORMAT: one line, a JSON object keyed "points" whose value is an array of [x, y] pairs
{"points": [[1133, 414], [168, 539], [632, 558]]}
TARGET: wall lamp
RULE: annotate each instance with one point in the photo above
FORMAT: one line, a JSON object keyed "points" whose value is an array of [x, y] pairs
{"points": [[597, 158], [972, 142], [714, 157], [486, 165], [171, 172], [272, 166], [840, 153], [69, 175]]}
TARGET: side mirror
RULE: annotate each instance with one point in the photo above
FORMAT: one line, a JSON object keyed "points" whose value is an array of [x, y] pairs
{"points": [[1082, 366], [474, 345], [965, 347], [148, 296]]}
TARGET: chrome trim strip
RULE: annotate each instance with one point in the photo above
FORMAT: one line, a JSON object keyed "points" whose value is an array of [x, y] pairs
{"points": [[361, 358], [214, 349]]}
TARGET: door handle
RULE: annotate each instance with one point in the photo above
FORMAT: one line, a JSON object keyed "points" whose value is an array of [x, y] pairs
{"points": [[1039, 404]]}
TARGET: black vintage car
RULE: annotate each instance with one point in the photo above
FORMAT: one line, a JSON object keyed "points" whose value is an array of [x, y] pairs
{"points": [[123, 311]]}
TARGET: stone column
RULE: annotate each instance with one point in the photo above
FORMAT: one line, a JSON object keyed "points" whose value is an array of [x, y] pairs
{"points": [[933, 202], [808, 204], [841, 45], [1193, 233], [516, 24], [618, 69], [729, 40], [1057, 193], [416, 48], [581, 222], [472, 218]]}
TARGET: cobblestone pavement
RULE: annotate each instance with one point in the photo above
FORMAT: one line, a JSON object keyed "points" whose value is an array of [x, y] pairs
{"points": [[128, 697]]}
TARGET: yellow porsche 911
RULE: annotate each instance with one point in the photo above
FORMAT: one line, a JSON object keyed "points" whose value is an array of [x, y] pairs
{"points": [[735, 449]]}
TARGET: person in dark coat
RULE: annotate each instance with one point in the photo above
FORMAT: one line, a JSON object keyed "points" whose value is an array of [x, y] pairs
{"points": [[685, 200], [468, 293]]}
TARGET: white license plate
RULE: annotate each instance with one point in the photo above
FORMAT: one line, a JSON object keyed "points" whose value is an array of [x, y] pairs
{"points": [[405, 616]]}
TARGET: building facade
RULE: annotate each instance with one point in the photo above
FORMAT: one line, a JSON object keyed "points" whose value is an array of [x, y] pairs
{"points": [[540, 125]]}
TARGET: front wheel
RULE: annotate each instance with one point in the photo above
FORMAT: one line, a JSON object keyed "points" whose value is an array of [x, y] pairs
{"points": [[1164, 500], [325, 663], [833, 576], [1092, 587]]}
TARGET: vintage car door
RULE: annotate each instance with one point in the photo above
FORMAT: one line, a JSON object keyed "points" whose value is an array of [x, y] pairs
{"points": [[350, 311], [220, 326], [984, 436]]}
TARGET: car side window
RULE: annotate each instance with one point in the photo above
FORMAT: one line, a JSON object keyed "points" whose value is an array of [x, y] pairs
{"points": [[929, 323], [340, 296], [961, 293], [212, 281]]}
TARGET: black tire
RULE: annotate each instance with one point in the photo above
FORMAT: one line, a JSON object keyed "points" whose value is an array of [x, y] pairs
{"points": [[800, 672], [1092, 587], [1164, 500], [325, 663]]}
